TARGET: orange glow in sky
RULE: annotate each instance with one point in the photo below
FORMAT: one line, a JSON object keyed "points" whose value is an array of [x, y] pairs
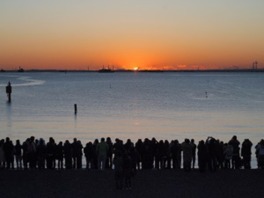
{"points": [[128, 34]]}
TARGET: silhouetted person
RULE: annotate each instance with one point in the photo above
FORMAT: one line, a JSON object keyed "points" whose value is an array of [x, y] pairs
{"points": [[193, 153], [118, 148], [147, 154], [74, 152], [32, 152], [9, 91], [187, 154], [128, 169], [167, 157], [159, 155], [18, 154], [51, 152], [109, 159], [134, 157], [9, 153], [67, 149], [236, 157], [41, 153], [102, 150], [176, 154], [59, 155], [228, 153], [212, 153], [25, 153], [260, 154], [202, 156], [118, 170], [246, 153], [95, 157], [79, 154], [139, 149], [88, 153], [220, 154]]}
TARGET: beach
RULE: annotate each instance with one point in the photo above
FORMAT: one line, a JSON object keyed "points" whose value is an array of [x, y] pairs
{"points": [[146, 183]]}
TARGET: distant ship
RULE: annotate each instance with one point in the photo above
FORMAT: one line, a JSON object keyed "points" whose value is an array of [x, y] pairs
{"points": [[20, 69], [106, 70]]}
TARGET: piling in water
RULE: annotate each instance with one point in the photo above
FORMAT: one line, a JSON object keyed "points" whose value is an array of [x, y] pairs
{"points": [[75, 109]]}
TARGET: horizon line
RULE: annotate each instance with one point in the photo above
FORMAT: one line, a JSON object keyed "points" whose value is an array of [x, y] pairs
{"points": [[143, 70]]}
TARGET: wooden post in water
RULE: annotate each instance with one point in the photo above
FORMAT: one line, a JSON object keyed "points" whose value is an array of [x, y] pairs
{"points": [[9, 91], [75, 109]]}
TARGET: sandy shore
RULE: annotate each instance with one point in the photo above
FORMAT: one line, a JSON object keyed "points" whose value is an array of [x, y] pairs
{"points": [[148, 183]]}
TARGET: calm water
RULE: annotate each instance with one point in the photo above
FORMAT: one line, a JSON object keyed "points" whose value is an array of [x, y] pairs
{"points": [[133, 105]]}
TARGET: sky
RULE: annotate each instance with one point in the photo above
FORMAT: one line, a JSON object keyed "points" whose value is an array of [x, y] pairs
{"points": [[129, 34]]}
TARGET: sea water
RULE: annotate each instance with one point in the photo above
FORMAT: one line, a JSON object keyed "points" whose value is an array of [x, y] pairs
{"points": [[166, 105]]}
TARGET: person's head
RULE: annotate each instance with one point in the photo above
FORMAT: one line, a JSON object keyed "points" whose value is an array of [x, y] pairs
{"points": [[41, 141], [51, 140], [32, 138], [234, 137]]}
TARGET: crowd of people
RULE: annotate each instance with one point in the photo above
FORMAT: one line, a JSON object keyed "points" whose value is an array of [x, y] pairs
{"points": [[209, 154], [125, 158]]}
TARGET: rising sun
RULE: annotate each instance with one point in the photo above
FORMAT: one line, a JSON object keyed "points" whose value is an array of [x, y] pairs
{"points": [[135, 68]]}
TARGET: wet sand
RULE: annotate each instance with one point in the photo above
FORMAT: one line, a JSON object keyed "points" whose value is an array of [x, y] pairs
{"points": [[147, 183]]}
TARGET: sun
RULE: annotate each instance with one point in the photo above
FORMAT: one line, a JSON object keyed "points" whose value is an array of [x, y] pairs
{"points": [[135, 68]]}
